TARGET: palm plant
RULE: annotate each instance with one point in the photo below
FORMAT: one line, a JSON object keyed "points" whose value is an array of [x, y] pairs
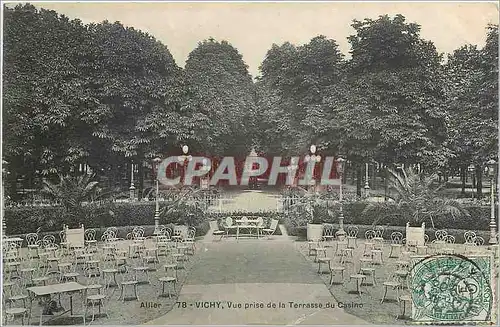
{"points": [[185, 206], [416, 198], [70, 193], [310, 207]]}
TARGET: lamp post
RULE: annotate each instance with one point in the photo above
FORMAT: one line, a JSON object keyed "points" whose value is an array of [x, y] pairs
{"points": [[493, 226], [157, 203], [340, 170], [472, 171], [5, 172], [205, 168], [367, 186], [313, 158], [132, 187], [292, 168], [182, 159]]}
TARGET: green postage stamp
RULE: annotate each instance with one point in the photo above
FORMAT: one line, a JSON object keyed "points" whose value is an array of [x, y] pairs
{"points": [[453, 289]]}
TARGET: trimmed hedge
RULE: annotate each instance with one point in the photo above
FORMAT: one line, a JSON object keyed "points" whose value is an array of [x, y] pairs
{"points": [[22, 220], [478, 220], [301, 232]]}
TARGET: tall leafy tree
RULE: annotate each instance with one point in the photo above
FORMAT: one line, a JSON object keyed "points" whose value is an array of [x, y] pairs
{"points": [[294, 84], [395, 85], [42, 91], [472, 93], [222, 98]]}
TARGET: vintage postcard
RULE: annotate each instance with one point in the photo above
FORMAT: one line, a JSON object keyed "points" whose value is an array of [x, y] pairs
{"points": [[250, 163]]}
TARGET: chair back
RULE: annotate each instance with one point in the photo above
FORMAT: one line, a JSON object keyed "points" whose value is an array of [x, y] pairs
{"points": [[352, 231], [397, 238], [370, 234], [426, 239], [441, 235], [138, 232], [90, 234], [328, 231], [479, 241], [260, 222], [244, 220], [470, 237], [450, 239], [32, 238], [274, 224], [62, 236], [191, 233], [229, 221], [379, 231]]}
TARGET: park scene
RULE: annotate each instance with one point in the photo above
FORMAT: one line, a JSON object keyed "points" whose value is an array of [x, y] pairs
{"points": [[339, 178]]}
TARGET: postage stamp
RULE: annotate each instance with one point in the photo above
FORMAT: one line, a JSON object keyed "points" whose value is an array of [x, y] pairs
{"points": [[453, 289], [249, 163]]}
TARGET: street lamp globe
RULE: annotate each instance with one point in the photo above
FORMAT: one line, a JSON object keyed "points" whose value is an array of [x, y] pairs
{"points": [[185, 149], [340, 165], [313, 149], [491, 167]]}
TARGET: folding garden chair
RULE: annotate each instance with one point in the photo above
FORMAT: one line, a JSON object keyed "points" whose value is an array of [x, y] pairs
{"points": [[322, 255], [450, 240], [470, 240], [128, 280], [369, 243], [392, 283], [423, 248], [379, 237], [12, 310], [272, 228], [169, 279], [94, 296], [352, 235], [33, 245], [396, 244], [328, 235]]}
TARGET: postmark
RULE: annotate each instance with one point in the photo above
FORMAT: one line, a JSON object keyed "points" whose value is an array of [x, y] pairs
{"points": [[452, 289]]}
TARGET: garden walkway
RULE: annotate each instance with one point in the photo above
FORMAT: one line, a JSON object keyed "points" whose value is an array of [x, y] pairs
{"points": [[252, 273]]}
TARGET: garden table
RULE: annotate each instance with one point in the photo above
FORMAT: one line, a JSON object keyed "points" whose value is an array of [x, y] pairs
{"points": [[247, 224], [48, 292]]}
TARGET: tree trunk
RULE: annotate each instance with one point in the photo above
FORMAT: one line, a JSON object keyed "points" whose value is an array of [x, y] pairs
{"points": [[479, 182], [385, 183], [140, 173], [359, 173], [463, 175]]}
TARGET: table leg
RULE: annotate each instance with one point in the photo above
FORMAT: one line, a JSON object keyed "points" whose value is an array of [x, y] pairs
{"points": [[71, 304], [237, 232]]}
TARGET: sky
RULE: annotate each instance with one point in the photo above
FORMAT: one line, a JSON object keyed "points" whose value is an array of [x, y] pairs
{"points": [[252, 28]]}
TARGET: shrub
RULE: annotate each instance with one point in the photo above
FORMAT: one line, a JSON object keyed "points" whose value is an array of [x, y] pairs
{"points": [[22, 220], [478, 219]]}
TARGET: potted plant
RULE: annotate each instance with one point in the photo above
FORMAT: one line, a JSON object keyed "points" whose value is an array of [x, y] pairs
{"points": [[308, 211]]}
